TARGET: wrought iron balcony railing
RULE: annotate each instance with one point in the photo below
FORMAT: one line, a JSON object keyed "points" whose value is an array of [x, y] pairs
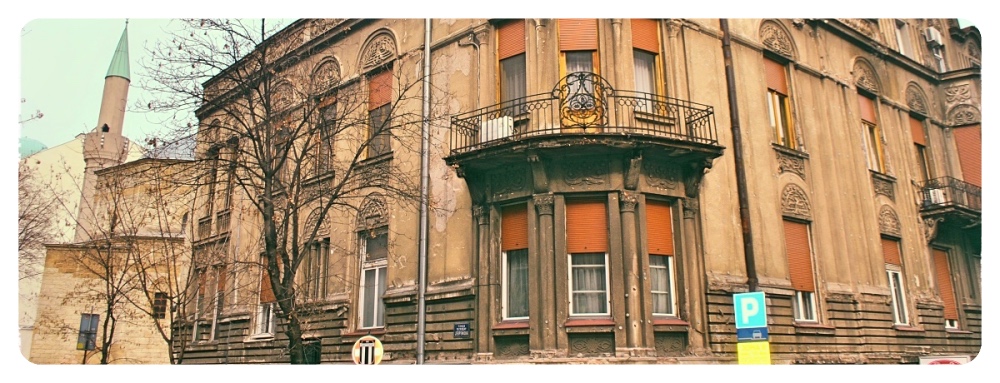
{"points": [[583, 103], [204, 227], [222, 222], [948, 191]]}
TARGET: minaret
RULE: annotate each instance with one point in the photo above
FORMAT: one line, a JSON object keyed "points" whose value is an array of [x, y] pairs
{"points": [[105, 146]]}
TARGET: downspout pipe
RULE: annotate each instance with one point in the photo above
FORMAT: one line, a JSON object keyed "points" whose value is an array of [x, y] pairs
{"points": [[424, 200], [741, 177]]}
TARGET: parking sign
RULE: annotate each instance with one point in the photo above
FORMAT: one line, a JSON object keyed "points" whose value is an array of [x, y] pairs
{"points": [[750, 310]]}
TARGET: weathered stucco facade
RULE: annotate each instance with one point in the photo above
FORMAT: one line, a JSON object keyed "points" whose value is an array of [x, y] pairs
{"points": [[606, 147]]}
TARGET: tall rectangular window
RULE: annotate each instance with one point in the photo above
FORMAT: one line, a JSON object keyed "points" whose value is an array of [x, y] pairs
{"points": [[324, 138], [660, 243], [903, 38], [894, 273], [87, 338], [645, 45], [159, 305], [379, 107], [920, 146], [316, 269], [587, 244], [969, 142], [872, 134], [514, 245], [779, 110], [375, 251], [264, 323], [513, 72], [942, 274], [800, 268]]}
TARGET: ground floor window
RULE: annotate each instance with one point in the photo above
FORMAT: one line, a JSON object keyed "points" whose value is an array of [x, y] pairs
{"points": [[804, 306], [589, 284]]}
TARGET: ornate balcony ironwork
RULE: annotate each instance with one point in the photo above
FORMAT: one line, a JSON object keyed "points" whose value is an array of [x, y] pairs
{"points": [[583, 103], [951, 198]]}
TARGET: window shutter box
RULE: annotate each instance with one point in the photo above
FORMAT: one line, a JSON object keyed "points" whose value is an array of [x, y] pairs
{"points": [[890, 250], [510, 39], [514, 228], [578, 35], [586, 227], [645, 35], [867, 108], [968, 140], [776, 76], [917, 131], [799, 259], [379, 89], [659, 228]]}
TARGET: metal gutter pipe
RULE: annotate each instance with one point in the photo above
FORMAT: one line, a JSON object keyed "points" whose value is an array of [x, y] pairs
{"points": [[741, 177], [424, 184]]}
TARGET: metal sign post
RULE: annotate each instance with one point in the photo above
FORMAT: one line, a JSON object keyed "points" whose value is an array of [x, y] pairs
{"points": [[367, 350]]}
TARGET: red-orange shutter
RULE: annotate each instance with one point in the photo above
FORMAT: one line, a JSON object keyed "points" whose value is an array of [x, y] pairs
{"points": [[266, 293], [586, 227], [943, 274], [799, 259], [510, 39], [890, 251], [379, 89], [645, 35], [221, 287], [201, 282], [577, 34], [659, 228], [917, 131], [969, 141], [867, 108], [776, 77], [514, 228]]}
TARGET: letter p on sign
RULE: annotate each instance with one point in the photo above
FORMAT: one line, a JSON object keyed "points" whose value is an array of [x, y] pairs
{"points": [[750, 310]]}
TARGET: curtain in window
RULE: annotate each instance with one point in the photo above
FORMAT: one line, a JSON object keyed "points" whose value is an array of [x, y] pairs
{"points": [[579, 61], [645, 75], [659, 270], [513, 79], [517, 283], [589, 284]]}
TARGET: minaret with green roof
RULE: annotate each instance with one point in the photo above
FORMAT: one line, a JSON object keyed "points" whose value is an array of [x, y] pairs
{"points": [[104, 146]]}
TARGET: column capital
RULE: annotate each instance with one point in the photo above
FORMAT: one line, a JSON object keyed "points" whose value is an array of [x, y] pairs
{"points": [[543, 203]]}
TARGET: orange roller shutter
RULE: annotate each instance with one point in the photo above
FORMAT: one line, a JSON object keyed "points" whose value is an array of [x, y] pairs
{"points": [[659, 228], [266, 293], [943, 276], [890, 251], [577, 34], [379, 89], [917, 131], [645, 35], [201, 282], [586, 227], [510, 39], [969, 141], [221, 279], [867, 108], [514, 228], [777, 78], [799, 259]]}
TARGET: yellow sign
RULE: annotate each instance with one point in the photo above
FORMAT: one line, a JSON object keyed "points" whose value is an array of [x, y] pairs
{"points": [[367, 350], [758, 352]]}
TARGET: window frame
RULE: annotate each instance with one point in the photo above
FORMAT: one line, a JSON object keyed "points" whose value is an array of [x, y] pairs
{"points": [[670, 274], [607, 286], [265, 317], [159, 305], [378, 314], [379, 143], [779, 105], [505, 303], [804, 307], [875, 152], [897, 292]]}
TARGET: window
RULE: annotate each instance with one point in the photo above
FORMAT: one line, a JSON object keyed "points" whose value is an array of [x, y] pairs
{"points": [[513, 73], [379, 99], [87, 339], [920, 146], [375, 251], [315, 272], [660, 243], [872, 135], [938, 52], [894, 273], [779, 110], [159, 305], [324, 142], [969, 142], [800, 268], [220, 299], [645, 45], [578, 45], [587, 244], [942, 273], [200, 328], [514, 247], [903, 38], [264, 324]]}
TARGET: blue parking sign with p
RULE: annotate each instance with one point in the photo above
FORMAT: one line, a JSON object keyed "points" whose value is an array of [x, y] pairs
{"points": [[750, 310]]}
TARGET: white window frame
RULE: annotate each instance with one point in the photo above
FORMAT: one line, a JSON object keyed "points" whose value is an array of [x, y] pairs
{"points": [[505, 287], [377, 315], [951, 324], [264, 323], [804, 300], [671, 282], [607, 287], [903, 38], [899, 310]]}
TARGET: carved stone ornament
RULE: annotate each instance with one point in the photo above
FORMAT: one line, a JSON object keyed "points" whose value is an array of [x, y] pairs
{"points": [[791, 164], [795, 202], [592, 344], [628, 202], [374, 213], [883, 187], [481, 214], [311, 222], [963, 115], [775, 39], [864, 77], [508, 180], [379, 50], [661, 176], [972, 49], [867, 27], [931, 228], [326, 75], [582, 173], [690, 208], [888, 221], [915, 99], [543, 203], [957, 93]]}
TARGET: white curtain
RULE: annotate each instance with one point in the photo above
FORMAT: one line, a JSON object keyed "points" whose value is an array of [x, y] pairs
{"points": [[589, 284], [645, 76], [659, 269], [513, 81], [517, 283]]}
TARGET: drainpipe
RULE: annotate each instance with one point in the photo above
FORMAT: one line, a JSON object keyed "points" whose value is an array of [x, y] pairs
{"points": [[741, 177], [424, 181]]}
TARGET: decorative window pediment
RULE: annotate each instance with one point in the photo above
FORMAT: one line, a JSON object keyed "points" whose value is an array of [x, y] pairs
{"points": [[379, 49], [864, 76], [888, 221], [795, 202], [776, 39]]}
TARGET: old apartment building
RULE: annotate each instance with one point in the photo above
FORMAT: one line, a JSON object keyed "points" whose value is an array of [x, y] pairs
{"points": [[597, 190]]}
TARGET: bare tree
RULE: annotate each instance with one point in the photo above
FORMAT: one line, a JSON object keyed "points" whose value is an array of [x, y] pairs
{"points": [[35, 223], [288, 135]]}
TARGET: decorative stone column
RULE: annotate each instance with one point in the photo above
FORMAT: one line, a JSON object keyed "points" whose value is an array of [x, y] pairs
{"points": [[484, 289], [635, 312], [694, 272], [543, 318]]}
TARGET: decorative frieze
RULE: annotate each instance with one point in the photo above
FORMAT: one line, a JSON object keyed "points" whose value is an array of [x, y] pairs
{"points": [[888, 222], [788, 163], [543, 203], [583, 173], [963, 115], [957, 93], [915, 99], [380, 49], [775, 39], [864, 77], [795, 202], [591, 344], [866, 27], [884, 186], [661, 176]]}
